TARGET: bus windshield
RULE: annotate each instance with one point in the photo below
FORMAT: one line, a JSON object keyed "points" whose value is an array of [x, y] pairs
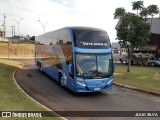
{"points": [[91, 66]]}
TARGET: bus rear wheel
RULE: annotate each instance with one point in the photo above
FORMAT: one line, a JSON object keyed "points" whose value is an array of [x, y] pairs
{"points": [[39, 66], [61, 80]]}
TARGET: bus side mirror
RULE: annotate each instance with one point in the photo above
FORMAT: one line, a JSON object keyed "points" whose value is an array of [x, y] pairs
{"points": [[113, 67], [70, 68]]}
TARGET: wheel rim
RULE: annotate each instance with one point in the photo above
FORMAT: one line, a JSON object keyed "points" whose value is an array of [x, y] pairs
{"points": [[62, 81]]}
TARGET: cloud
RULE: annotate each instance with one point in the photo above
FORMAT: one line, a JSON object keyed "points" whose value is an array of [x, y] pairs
{"points": [[61, 13], [67, 3]]}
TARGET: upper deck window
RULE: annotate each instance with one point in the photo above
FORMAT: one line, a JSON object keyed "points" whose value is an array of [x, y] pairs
{"points": [[91, 39]]}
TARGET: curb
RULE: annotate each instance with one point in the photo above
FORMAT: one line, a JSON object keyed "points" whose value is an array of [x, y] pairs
{"points": [[136, 89], [30, 96]]}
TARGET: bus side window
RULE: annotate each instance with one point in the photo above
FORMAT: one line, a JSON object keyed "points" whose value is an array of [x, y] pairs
{"points": [[58, 63], [70, 59], [70, 62]]}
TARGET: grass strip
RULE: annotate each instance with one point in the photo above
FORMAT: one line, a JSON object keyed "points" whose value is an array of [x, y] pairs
{"points": [[147, 78], [11, 98]]}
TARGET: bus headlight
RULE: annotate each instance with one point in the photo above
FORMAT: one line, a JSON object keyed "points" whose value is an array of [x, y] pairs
{"points": [[110, 81], [81, 83]]}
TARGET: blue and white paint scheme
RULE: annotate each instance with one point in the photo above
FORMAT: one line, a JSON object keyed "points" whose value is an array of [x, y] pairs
{"points": [[79, 58]]}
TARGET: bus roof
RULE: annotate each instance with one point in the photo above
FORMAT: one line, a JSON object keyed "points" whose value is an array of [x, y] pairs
{"points": [[85, 28]]}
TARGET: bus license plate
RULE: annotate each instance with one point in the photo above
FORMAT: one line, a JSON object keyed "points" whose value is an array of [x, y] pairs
{"points": [[97, 89]]}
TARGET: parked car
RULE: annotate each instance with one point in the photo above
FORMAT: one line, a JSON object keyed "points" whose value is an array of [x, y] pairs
{"points": [[154, 61], [143, 54]]}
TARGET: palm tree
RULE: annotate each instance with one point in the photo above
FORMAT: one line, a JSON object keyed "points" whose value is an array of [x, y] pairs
{"points": [[152, 10], [119, 13], [138, 5]]}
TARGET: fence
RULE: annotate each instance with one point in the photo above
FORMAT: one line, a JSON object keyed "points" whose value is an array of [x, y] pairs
{"points": [[16, 50]]}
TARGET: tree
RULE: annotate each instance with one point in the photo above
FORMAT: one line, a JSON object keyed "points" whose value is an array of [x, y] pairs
{"points": [[152, 10], [132, 33], [27, 37], [33, 38], [119, 13], [144, 13], [137, 5]]}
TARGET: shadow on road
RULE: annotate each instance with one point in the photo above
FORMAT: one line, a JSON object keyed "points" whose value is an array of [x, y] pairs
{"points": [[68, 91]]}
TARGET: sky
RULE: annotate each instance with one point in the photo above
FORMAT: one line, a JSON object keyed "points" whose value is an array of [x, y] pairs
{"points": [[55, 14]]}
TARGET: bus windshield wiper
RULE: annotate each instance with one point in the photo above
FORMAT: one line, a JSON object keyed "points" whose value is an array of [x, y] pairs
{"points": [[87, 75]]}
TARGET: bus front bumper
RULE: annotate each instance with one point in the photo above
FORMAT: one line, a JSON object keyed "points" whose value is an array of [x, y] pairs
{"points": [[82, 87]]}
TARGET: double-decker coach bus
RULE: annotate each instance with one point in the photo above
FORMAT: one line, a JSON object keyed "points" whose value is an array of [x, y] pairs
{"points": [[79, 58]]}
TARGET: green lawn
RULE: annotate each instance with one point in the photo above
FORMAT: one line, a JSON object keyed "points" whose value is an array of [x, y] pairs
{"points": [[143, 77], [11, 98]]}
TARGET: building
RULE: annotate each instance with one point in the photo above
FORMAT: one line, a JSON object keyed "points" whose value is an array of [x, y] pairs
{"points": [[2, 36], [2, 33], [155, 34], [154, 43]]}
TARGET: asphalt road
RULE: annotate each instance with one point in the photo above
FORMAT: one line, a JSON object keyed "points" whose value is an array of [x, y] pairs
{"points": [[50, 94]]}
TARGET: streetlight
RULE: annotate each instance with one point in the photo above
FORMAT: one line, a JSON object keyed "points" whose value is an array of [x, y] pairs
{"points": [[18, 22], [43, 25], [12, 32], [4, 27]]}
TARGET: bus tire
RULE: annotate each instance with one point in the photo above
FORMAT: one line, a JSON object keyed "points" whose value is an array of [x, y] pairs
{"points": [[61, 80], [39, 66]]}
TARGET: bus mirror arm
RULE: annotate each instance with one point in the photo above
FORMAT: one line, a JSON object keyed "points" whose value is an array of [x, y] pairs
{"points": [[70, 68]]}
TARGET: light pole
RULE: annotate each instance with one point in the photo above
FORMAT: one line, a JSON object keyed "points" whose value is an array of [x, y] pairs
{"points": [[43, 25], [12, 32], [18, 22], [4, 27]]}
